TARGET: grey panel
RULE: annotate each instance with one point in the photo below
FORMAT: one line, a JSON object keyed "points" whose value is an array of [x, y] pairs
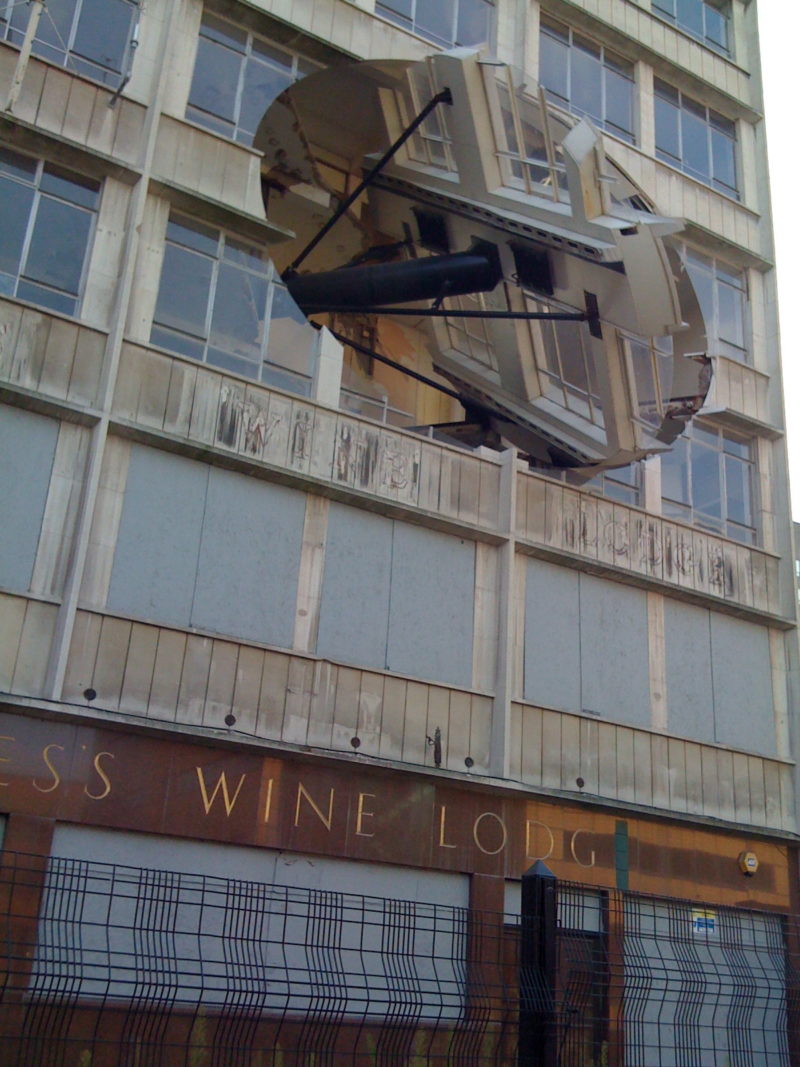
{"points": [[431, 607], [259, 865], [742, 684], [27, 447], [615, 661], [354, 615], [552, 637], [155, 562], [249, 559], [690, 693]]}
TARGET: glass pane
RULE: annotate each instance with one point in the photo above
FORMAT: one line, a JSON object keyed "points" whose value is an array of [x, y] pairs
{"points": [[731, 315], [58, 245], [667, 129], [737, 488], [716, 28], [19, 166], [473, 22], [695, 143], [184, 291], [54, 29], [587, 88], [262, 83], [48, 298], [397, 9], [224, 33], [237, 323], [15, 208], [644, 378], [71, 187], [103, 33], [176, 342], [703, 282], [436, 21], [675, 472], [292, 341], [572, 358], [554, 65], [665, 7], [706, 488], [724, 156], [215, 80], [619, 101], [690, 16], [193, 235], [734, 447]]}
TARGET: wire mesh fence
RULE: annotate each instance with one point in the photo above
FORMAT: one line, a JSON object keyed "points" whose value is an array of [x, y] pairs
{"points": [[105, 964]]}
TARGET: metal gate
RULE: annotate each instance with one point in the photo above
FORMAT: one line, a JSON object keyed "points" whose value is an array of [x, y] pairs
{"points": [[102, 964]]}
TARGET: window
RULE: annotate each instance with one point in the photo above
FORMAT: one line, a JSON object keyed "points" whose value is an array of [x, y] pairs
{"points": [[431, 144], [708, 479], [722, 292], [91, 37], [529, 157], [703, 19], [237, 75], [47, 218], [586, 78], [622, 484], [220, 302], [695, 139], [446, 22], [564, 358]]}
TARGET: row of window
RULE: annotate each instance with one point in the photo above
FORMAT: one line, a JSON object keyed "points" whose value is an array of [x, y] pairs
{"points": [[588, 79], [237, 74], [708, 479], [94, 38]]}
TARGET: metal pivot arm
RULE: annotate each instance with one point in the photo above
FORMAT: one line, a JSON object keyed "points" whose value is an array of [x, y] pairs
{"points": [[443, 97]]}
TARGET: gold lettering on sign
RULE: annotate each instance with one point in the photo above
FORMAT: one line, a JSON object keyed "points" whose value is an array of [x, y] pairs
{"points": [[6, 759], [361, 814], [222, 784], [501, 824], [103, 777], [443, 828], [56, 776], [572, 841], [268, 801], [303, 792], [528, 854]]}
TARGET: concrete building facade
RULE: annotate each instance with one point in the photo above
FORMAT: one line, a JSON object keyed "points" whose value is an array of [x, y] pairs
{"points": [[262, 642]]}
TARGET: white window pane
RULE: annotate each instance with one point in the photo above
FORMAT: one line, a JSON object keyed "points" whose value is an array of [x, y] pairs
{"points": [[15, 209], [104, 31], [554, 65], [695, 144], [184, 291], [237, 325], [215, 81], [58, 246], [587, 90], [262, 83]]}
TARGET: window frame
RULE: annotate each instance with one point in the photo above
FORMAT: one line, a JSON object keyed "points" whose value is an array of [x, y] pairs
{"points": [[688, 510], [610, 61], [72, 60], [411, 23], [42, 168], [684, 105], [209, 120], [723, 8], [266, 371], [717, 344]]}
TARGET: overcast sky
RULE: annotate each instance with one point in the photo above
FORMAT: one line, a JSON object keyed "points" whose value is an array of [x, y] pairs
{"points": [[779, 29]]}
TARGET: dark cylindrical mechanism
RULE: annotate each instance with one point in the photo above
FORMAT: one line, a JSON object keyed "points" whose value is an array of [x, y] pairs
{"points": [[476, 271]]}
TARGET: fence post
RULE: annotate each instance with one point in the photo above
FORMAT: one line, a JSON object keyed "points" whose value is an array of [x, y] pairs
{"points": [[538, 1030]]}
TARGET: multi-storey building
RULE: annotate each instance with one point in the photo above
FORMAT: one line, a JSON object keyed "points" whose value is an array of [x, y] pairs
{"points": [[294, 694]]}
